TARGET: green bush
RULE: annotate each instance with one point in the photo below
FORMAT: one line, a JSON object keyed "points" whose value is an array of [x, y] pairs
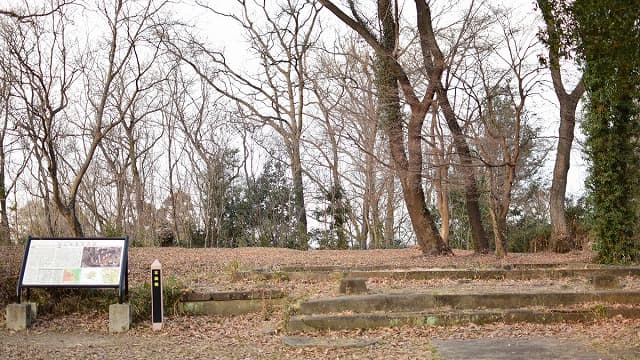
{"points": [[140, 299], [528, 235], [580, 220], [607, 35]]}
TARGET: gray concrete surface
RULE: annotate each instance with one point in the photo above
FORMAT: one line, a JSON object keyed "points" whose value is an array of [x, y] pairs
{"points": [[18, 316], [119, 318], [540, 348]]}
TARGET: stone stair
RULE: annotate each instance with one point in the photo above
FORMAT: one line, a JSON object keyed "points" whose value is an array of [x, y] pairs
{"points": [[479, 307], [228, 303], [507, 272]]}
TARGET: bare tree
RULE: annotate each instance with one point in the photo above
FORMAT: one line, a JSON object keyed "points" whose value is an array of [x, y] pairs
{"points": [[328, 144], [505, 139], [9, 143], [48, 76], [350, 92], [136, 100], [275, 96], [44, 76], [176, 201], [5, 231], [28, 12], [407, 155], [363, 129], [204, 123], [440, 153], [561, 237]]}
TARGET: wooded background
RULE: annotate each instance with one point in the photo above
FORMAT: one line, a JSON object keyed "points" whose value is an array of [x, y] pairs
{"points": [[341, 124]]}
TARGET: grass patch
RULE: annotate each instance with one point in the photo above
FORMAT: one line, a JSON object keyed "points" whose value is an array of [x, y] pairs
{"points": [[599, 310]]}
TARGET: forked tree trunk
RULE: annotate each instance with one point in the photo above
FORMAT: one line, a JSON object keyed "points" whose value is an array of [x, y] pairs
{"points": [[408, 168], [406, 154], [71, 217], [435, 60], [561, 236]]}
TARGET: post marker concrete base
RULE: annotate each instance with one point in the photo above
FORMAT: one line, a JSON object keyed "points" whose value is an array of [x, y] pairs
{"points": [[18, 316], [119, 318]]}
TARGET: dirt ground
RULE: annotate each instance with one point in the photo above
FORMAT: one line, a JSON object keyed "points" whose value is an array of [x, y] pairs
{"points": [[84, 334]]}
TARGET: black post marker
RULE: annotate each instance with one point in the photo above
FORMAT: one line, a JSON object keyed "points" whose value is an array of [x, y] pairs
{"points": [[156, 296]]}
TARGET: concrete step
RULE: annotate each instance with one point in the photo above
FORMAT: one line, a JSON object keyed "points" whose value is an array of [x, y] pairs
{"points": [[227, 303], [428, 302], [508, 272], [506, 266], [215, 295], [306, 323]]}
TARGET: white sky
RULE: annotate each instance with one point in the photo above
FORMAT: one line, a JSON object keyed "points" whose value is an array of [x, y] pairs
{"points": [[225, 34]]}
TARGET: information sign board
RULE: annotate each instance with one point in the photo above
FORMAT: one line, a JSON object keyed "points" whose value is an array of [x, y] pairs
{"points": [[75, 262]]}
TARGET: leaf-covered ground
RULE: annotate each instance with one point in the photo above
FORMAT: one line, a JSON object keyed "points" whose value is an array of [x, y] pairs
{"points": [[84, 334]]}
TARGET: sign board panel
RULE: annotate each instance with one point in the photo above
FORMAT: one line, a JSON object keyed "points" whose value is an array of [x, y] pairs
{"points": [[74, 262]]}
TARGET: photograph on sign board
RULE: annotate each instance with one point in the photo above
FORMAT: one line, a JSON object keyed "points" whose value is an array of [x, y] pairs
{"points": [[101, 256]]}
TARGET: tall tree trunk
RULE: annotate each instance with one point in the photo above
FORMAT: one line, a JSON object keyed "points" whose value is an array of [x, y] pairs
{"points": [[376, 233], [499, 226], [410, 174], [302, 241], [364, 235], [480, 242], [389, 219], [141, 218], [5, 230], [499, 203], [5, 234], [370, 173], [561, 237], [440, 181], [172, 190], [71, 216], [45, 194], [409, 169], [442, 202]]}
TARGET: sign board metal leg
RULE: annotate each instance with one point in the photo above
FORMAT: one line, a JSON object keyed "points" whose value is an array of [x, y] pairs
{"points": [[156, 296]]}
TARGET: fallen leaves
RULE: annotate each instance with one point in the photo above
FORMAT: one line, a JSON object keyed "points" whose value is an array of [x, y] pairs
{"points": [[257, 336]]}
